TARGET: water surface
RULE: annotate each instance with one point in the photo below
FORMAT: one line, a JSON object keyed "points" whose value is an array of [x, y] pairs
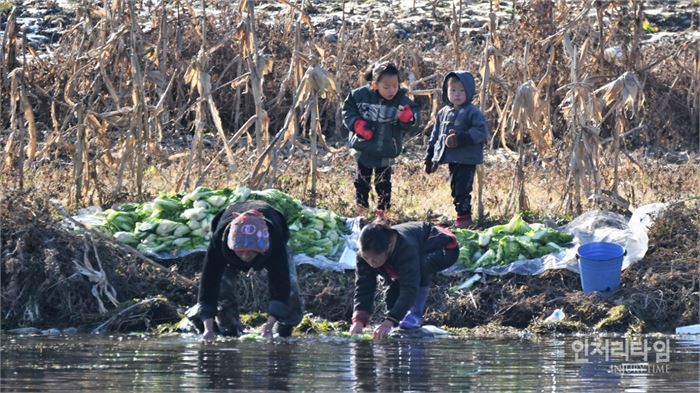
{"points": [[183, 363]]}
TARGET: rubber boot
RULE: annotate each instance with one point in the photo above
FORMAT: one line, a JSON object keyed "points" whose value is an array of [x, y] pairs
{"points": [[414, 317]]}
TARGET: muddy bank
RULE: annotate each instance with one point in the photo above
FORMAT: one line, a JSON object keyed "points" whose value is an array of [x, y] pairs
{"points": [[52, 277]]}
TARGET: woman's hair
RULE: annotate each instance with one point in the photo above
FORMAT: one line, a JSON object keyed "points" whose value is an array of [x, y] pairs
{"points": [[376, 71], [375, 236]]}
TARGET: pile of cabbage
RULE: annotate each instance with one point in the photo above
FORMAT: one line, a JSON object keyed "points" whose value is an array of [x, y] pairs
{"points": [[176, 222], [507, 243]]}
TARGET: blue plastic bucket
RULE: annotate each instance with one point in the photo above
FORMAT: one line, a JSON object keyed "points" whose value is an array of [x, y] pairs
{"points": [[600, 264]]}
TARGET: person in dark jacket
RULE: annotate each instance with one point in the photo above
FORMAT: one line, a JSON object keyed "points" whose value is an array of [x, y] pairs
{"points": [[248, 235], [407, 256], [458, 139], [377, 115]]}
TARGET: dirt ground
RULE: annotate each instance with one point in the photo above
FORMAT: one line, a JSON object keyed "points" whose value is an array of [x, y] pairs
{"points": [[43, 288]]}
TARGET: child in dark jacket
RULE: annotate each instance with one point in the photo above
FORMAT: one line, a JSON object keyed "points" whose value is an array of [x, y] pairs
{"points": [[248, 235], [377, 115], [458, 139], [406, 256]]}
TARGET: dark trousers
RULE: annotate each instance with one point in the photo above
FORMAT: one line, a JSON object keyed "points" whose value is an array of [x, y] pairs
{"points": [[228, 315], [382, 185], [228, 321], [433, 262], [461, 182], [228, 318]]}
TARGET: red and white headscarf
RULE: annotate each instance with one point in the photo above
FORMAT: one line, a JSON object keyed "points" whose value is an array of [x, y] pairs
{"points": [[248, 232]]}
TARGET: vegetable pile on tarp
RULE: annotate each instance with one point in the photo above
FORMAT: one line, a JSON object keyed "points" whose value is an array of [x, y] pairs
{"points": [[175, 222], [317, 232], [507, 243]]}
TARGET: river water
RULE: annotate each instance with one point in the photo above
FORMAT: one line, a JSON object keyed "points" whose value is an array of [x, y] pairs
{"points": [[325, 363]]}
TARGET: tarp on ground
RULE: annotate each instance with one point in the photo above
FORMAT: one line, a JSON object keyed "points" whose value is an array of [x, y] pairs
{"points": [[592, 226]]}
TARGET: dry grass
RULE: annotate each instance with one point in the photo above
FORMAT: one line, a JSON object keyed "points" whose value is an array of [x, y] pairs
{"points": [[418, 196], [148, 109]]}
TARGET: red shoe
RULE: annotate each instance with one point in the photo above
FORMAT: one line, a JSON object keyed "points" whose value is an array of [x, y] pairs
{"points": [[382, 213], [362, 211], [463, 221]]}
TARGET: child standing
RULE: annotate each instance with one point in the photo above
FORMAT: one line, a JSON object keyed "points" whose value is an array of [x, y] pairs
{"points": [[377, 115], [458, 139]]}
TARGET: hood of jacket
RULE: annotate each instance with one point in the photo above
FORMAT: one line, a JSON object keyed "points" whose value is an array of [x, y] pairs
{"points": [[467, 80]]}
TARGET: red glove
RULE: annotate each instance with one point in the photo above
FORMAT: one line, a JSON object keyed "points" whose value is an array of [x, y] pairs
{"points": [[405, 114], [430, 166], [451, 140], [360, 128]]}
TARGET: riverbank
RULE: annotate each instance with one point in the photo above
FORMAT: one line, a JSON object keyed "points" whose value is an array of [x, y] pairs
{"points": [[54, 277], [105, 111]]}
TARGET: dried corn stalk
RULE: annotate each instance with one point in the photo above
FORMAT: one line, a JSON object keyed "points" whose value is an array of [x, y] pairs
{"points": [[316, 83], [623, 96], [579, 110]]}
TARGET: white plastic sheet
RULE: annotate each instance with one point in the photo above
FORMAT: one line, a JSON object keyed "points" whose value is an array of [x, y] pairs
{"points": [[593, 226]]}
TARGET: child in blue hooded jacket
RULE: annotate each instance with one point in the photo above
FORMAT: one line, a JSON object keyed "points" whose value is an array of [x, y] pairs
{"points": [[458, 139]]}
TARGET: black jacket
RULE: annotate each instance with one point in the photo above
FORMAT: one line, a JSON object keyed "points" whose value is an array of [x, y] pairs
{"points": [[275, 261], [414, 241], [381, 116]]}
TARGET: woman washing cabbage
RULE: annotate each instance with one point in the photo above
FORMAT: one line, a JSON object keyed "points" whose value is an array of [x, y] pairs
{"points": [[248, 235]]}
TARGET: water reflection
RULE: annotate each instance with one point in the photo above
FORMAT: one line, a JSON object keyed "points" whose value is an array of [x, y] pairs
{"points": [[263, 366], [328, 364], [596, 369], [394, 367], [364, 368]]}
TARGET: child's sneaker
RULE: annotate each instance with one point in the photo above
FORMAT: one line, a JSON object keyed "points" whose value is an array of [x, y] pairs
{"points": [[463, 221]]}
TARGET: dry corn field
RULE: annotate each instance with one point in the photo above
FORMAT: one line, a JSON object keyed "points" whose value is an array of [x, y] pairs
{"points": [[585, 102]]}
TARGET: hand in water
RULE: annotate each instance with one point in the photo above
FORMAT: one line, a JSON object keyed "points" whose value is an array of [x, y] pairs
{"points": [[357, 328], [384, 329], [267, 329], [209, 335]]}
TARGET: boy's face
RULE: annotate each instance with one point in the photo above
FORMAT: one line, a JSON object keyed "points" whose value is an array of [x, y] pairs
{"points": [[387, 86], [455, 92]]}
